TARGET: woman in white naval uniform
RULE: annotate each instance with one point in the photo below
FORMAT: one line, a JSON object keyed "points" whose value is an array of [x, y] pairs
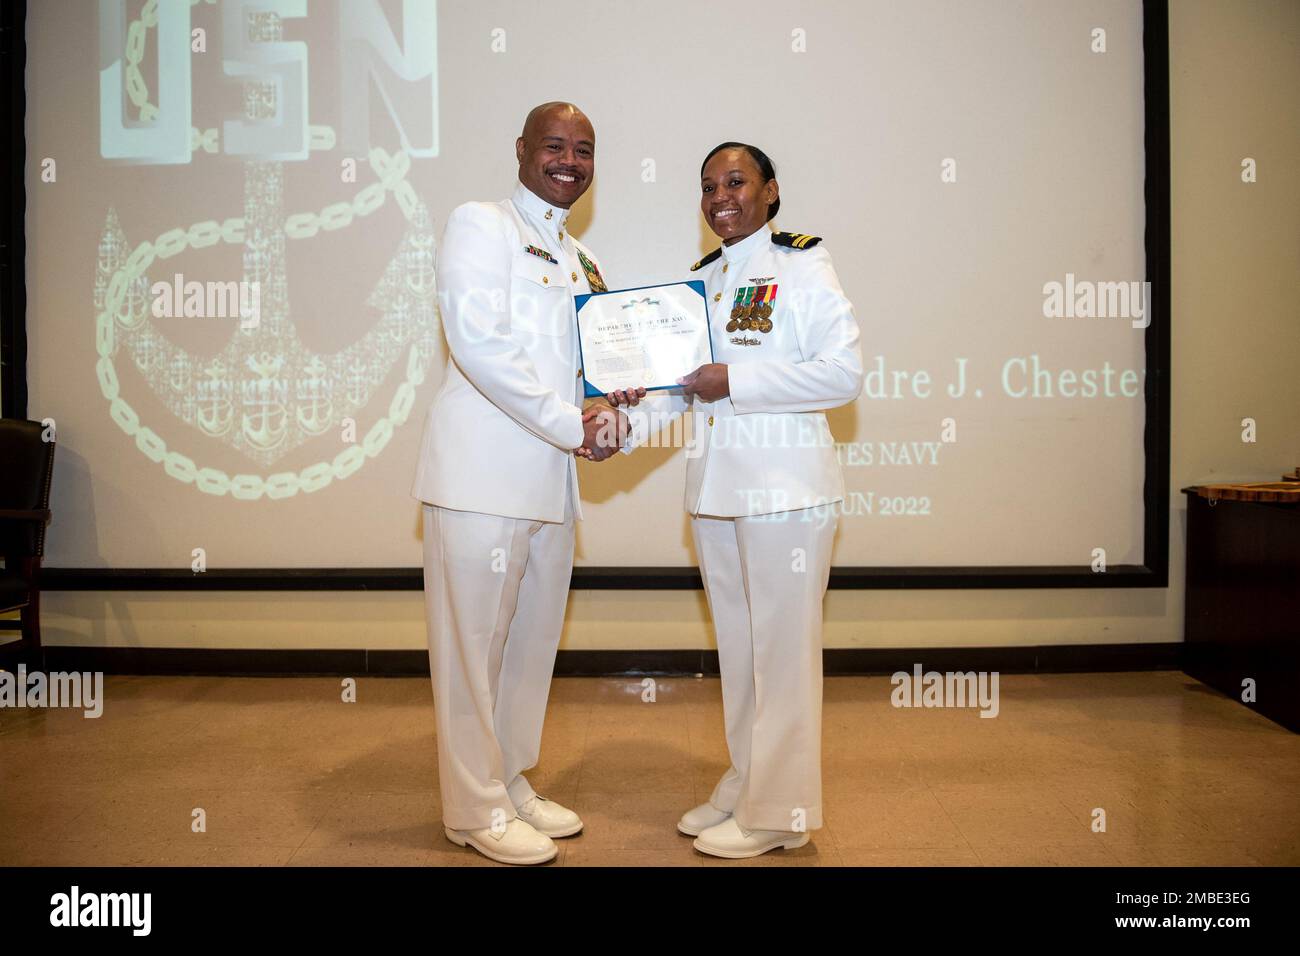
{"points": [[761, 486]]}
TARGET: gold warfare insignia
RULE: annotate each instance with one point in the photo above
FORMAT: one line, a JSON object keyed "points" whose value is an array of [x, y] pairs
{"points": [[594, 278]]}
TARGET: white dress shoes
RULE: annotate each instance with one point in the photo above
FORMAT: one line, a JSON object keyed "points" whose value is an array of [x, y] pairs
{"points": [[548, 817], [694, 822], [733, 842], [517, 843]]}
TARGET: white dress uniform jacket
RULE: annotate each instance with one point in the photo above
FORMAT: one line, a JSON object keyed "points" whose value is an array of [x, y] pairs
{"points": [[767, 447], [499, 438]]}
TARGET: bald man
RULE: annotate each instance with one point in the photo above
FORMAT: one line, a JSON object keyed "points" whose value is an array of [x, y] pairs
{"points": [[497, 477]]}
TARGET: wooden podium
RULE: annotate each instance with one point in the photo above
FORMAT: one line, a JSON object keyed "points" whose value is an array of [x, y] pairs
{"points": [[1243, 594]]}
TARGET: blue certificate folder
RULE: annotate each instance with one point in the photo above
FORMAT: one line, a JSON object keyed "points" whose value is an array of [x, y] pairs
{"points": [[696, 285]]}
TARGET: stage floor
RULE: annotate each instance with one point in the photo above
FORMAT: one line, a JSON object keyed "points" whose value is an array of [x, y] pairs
{"points": [[286, 773]]}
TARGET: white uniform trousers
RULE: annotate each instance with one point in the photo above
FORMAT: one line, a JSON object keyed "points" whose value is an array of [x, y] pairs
{"points": [[495, 590], [765, 577]]}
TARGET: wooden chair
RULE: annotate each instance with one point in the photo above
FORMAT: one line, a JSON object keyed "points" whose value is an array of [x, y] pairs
{"points": [[26, 468]]}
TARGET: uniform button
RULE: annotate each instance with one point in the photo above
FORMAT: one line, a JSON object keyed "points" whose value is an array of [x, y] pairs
{"points": [[710, 419], [717, 297], [579, 373], [545, 279], [574, 275], [548, 214], [561, 233], [724, 267]]}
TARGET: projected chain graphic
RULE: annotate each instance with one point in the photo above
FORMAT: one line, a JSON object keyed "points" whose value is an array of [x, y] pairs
{"points": [[265, 393]]}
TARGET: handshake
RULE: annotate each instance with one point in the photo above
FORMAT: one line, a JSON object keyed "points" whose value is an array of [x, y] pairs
{"points": [[604, 431], [604, 427]]}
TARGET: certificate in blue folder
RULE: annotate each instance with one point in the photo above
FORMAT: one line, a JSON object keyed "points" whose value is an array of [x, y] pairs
{"points": [[647, 337]]}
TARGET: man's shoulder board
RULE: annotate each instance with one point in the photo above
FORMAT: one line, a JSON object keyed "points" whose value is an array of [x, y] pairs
{"points": [[707, 259], [795, 240]]}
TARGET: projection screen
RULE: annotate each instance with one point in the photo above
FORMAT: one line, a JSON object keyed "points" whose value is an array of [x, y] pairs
{"points": [[233, 209]]}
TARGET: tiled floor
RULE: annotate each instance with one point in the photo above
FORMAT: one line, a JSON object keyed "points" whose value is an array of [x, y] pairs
{"points": [[285, 772]]}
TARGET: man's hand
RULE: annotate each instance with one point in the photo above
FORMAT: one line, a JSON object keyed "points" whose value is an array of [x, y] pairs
{"points": [[708, 382], [625, 396], [604, 430]]}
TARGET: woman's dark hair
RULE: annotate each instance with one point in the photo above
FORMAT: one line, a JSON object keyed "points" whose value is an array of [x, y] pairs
{"points": [[765, 167]]}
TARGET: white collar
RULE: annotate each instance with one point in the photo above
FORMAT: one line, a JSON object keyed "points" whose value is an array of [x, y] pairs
{"points": [[547, 217], [740, 251]]}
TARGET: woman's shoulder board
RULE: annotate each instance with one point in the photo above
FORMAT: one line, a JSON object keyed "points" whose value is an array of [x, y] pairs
{"points": [[707, 259], [795, 240]]}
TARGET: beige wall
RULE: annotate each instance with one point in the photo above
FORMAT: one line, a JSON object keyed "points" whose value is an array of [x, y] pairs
{"points": [[1235, 67]]}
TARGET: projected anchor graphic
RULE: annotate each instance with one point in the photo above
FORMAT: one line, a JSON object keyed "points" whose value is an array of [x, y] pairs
{"points": [[265, 392]]}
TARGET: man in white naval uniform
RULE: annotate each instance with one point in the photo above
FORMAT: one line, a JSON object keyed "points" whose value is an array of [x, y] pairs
{"points": [[497, 477], [762, 480]]}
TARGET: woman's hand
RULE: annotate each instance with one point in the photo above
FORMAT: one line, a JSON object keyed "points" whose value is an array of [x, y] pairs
{"points": [[708, 382], [625, 396]]}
